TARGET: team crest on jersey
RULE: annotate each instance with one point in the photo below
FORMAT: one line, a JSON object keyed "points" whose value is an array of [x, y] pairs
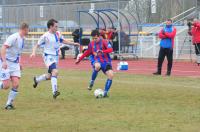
{"points": [[3, 75]]}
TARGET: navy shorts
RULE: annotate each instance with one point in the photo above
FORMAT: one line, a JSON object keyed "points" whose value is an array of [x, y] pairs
{"points": [[105, 66]]}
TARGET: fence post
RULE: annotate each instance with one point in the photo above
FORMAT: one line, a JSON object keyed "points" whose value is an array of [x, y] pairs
{"points": [[141, 47], [154, 46], [176, 46], [32, 41]]}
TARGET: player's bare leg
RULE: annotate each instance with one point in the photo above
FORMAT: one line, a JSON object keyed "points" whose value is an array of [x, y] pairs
{"points": [[5, 84], [13, 93]]}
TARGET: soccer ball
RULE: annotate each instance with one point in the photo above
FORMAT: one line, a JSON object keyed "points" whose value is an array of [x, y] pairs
{"points": [[98, 93]]}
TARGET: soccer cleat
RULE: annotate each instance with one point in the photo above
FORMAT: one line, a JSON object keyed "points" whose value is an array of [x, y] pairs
{"points": [[90, 86], [56, 94], [157, 73], [9, 107], [105, 95], [168, 74], [35, 82]]}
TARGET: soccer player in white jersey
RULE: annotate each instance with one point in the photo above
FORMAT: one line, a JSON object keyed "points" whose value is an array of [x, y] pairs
{"points": [[50, 41], [10, 70]]}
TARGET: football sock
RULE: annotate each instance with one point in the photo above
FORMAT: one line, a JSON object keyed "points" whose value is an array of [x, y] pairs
{"points": [[11, 96], [54, 83], [94, 76], [41, 78], [107, 86]]}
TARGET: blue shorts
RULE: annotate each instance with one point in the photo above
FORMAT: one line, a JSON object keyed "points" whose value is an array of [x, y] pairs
{"points": [[105, 66], [51, 67]]}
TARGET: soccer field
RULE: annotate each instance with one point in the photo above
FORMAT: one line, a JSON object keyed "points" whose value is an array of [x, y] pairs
{"points": [[137, 103]]}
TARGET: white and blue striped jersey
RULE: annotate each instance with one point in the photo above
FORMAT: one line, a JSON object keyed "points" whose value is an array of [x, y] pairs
{"points": [[50, 43], [15, 45]]}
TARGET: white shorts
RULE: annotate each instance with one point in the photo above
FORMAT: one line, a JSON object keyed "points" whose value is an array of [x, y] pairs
{"points": [[50, 59], [13, 70]]}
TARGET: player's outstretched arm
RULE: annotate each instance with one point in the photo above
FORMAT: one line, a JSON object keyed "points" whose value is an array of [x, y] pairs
{"points": [[85, 54], [109, 50], [34, 51], [65, 41]]}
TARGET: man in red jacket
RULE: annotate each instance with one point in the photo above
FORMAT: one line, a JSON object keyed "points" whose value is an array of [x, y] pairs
{"points": [[167, 35], [194, 31]]}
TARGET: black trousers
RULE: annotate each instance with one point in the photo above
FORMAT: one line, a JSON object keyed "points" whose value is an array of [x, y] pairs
{"points": [[168, 52], [63, 51], [76, 48], [197, 48]]}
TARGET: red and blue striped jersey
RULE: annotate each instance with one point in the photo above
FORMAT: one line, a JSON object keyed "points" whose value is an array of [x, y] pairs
{"points": [[104, 46]]}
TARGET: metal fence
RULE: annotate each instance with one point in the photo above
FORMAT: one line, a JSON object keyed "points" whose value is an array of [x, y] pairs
{"points": [[68, 15], [148, 47]]}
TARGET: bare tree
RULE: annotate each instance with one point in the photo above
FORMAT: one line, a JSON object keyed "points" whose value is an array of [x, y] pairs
{"points": [[165, 9]]}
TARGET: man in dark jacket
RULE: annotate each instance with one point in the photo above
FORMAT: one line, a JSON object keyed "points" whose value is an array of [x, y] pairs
{"points": [[76, 37], [167, 35]]}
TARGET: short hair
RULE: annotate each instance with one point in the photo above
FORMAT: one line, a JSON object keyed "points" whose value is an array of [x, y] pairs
{"points": [[170, 20], [95, 33], [23, 25], [51, 22]]}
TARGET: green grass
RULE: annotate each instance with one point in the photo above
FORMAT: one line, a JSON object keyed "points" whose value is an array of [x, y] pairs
{"points": [[137, 104]]}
